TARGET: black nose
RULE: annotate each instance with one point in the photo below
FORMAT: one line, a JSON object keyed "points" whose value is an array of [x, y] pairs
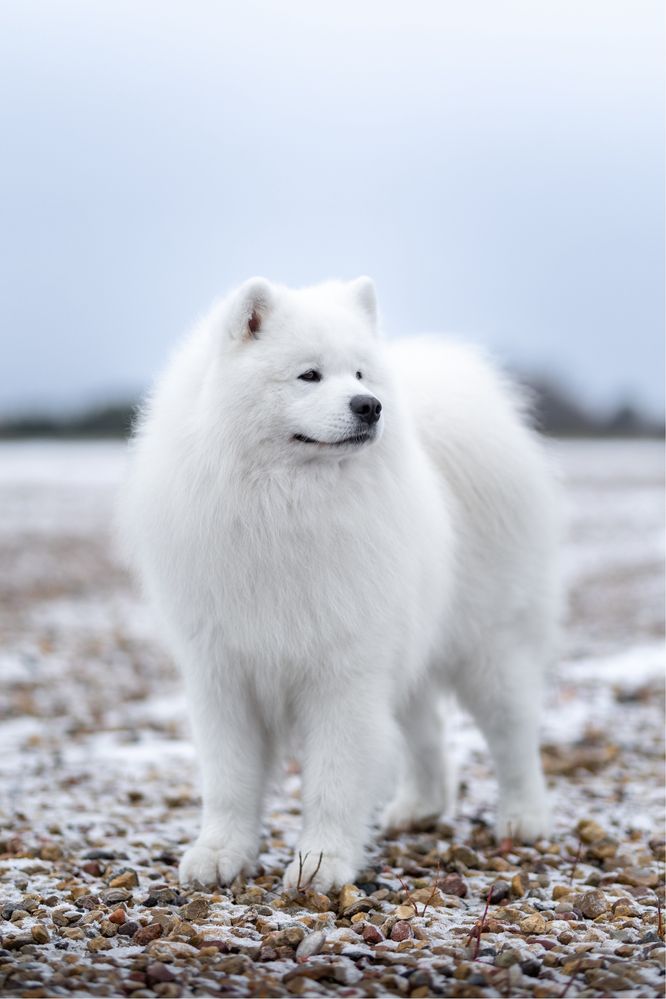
{"points": [[366, 407]]}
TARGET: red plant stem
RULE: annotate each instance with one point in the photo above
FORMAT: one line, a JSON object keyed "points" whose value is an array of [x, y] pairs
{"points": [[568, 985], [576, 861]]}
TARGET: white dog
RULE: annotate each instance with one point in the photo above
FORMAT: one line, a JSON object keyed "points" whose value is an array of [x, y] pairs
{"points": [[335, 530]]}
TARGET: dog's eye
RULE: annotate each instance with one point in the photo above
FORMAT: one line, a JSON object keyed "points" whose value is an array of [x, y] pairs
{"points": [[359, 375], [310, 376]]}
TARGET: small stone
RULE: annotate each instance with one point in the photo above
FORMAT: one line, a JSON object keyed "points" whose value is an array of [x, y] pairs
{"points": [[251, 896], [65, 917], [463, 855], [107, 928], [590, 831], [560, 891], [168, 990], [118, 916], [98, 943], [289, 937], [310, 945], [624, 908], [99, 855], [639, 877], [606, 982], [51, 851], [401, 930], [533, 924], [88, 902], [658, 847], [16, 942], [498, 864], [73, 933], [40, 934], [531, 967], [498, 892], [198, 908], [168, 950], [454, 884], [124, 878], [508, 957], [315, 901], [371, 934], [156, 972], [116, 895], [349, 895], [428, 897], [163, 896], [592, 904], [519, 884], [145, 934], [405, 911], [128, 929]]}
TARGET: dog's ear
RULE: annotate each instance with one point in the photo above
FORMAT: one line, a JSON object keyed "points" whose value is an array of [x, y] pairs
{"points": [[248, 309], [363, 293]]}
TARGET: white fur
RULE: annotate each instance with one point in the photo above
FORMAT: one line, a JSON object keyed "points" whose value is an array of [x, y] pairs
{"points": [[332, 594]]}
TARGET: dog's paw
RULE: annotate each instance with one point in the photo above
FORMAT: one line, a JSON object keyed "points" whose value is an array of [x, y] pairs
{"points": [[319, 870], [211, 866], [404, 813], [524, 823]]}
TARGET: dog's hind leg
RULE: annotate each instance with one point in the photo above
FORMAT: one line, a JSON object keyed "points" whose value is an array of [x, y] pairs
{"points": [[504, 696], [426, 788]]}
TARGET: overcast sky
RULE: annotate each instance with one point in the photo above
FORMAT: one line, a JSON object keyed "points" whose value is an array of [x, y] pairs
{"points": [[496, 166]]}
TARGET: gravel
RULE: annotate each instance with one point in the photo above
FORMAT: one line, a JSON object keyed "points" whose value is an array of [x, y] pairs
{"points": [[98, 788]]}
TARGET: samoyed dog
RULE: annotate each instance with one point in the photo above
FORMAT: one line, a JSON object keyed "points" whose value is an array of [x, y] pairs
{"points": [[336, 531]]}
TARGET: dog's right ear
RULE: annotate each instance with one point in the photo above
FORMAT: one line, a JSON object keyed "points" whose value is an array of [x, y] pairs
{"points": [[248, 309]]}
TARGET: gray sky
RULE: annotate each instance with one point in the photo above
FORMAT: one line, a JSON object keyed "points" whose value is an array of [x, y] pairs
{"points": [[495, 165]]}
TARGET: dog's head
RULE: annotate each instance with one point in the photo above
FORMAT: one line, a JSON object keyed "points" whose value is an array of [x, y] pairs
{"points": [[301, 371]]}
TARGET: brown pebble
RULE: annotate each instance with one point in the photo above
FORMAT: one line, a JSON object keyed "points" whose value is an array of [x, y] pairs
{"points": [[198, 908], [371, 934], [145, 934], [498, 892], [561, 891], [128, 929], [40, 934], [463, 855], [453, 884], [118, 916], [639, 877], [519, 884], [401, 930], [99, 943], [50, 852], [590, 831], [158, 972], [533, 924], [592, 904], [125, 878]]}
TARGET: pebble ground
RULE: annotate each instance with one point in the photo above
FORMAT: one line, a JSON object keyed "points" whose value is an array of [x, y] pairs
{"points": [[98, 787]]}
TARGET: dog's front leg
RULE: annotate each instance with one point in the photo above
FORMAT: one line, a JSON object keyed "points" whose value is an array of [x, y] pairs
{"points": [[348, 735], [232, 750]]}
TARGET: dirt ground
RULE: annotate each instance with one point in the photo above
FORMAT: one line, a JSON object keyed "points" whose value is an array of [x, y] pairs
{"points": [[98, 785]]}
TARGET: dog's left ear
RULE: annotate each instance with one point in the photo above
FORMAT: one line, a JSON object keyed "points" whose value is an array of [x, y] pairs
{"points": [[363, 293], [249, 307]]}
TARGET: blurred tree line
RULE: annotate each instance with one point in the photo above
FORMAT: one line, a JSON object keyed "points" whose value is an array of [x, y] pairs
{"points": [[554, 411]]}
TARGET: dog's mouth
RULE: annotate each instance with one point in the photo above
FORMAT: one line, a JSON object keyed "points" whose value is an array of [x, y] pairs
{"points": [[354, 439]]}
